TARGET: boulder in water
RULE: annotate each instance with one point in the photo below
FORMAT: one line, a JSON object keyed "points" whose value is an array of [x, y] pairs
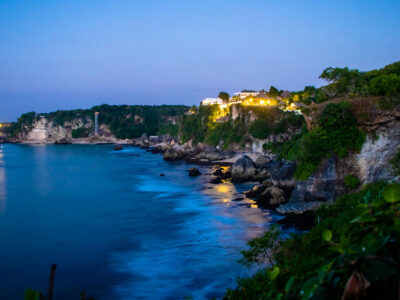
{"points": [[243, 169], [64, 141], [194, 172], [173, 154], [118, 147]]}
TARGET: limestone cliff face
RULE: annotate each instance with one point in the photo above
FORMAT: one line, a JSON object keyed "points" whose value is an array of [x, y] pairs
{"points": [[38, 130], [372, 164], [44, 130]]}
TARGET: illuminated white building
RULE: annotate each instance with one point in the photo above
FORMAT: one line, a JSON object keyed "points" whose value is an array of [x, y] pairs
{"points": [[211, 101], [243, 95]]}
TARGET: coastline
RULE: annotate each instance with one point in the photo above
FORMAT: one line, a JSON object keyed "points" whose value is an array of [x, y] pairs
{"points": [[299, 216]]}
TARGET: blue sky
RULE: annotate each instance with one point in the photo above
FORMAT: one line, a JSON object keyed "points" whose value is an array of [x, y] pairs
{"points": [[75, 54]]}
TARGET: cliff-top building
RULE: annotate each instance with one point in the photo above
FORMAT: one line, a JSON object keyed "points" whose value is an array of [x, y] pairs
{"points": [[211, 101], [243, 95]]}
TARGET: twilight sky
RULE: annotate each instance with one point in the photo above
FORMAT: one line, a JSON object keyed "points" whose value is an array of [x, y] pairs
{"points": [[76, 54]]}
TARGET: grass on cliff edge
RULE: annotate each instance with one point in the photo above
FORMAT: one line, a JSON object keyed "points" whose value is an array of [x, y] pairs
{"points": [[356, 238]]}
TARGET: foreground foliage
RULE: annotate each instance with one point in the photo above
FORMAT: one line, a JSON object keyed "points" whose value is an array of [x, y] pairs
{"points": [[354, 247]]}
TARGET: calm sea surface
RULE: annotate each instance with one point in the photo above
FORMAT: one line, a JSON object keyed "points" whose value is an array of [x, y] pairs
{"points": [[115, 228]]}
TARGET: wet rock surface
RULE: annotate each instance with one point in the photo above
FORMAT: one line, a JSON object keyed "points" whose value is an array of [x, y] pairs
{"points": [[321, 186], [193, 172], [243, 169], [304, 221], [64, 141], [298, 207]]}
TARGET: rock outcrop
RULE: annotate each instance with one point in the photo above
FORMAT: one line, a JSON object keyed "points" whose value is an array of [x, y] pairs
{"points": [[63, 141], [298, 207], [173, 154], [277, 188], [373, 161], [321, 186], [193, 172], [243, 169]]}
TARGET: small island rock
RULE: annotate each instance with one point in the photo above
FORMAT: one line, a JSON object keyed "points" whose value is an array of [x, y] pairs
{"points": [[194, 172]]}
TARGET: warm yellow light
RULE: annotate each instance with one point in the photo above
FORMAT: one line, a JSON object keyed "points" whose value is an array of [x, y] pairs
{"points": [[268, 102], [223, 188], [262, 102]]}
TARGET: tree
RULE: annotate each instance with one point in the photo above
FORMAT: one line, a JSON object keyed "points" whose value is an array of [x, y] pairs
{"points": [[224, 96], [344, 81], [386, 85], [273, 91], [260, 129], [310, 89]]}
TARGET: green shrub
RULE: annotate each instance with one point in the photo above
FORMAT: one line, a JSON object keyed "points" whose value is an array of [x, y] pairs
{"points": [[31, 294], [223, 96], [395, 162], [228, 132], [336, 133], [388, 103], [168, 128], [351, 181], [80, 132], [304, 170], [192, 128], [260, 129], [273, 122], [289, 119], [352, 82], [360, 232], [385, 85], [341, 127]]}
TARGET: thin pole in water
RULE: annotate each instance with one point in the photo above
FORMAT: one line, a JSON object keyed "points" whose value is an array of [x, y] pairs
{"points": [[51, 284]]}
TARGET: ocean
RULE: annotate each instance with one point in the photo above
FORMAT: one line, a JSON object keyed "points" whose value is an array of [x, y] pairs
{"points": [[117, 229]]}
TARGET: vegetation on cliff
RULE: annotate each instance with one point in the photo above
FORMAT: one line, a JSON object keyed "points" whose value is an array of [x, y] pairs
{"points": [[336, 133], [396, 163], [345, 82], [274, 121], [212, 125], [124, 121], [354, 247]]}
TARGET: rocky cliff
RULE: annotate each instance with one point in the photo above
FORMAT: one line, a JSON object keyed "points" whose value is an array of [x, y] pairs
{"points": [[371, 164], [43, 130]]}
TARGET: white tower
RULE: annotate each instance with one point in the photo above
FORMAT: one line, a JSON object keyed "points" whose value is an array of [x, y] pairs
{"points": [[96, 123]]}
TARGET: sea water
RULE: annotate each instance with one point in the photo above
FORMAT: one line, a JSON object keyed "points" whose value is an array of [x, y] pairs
{"points": [[115, 228]]}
